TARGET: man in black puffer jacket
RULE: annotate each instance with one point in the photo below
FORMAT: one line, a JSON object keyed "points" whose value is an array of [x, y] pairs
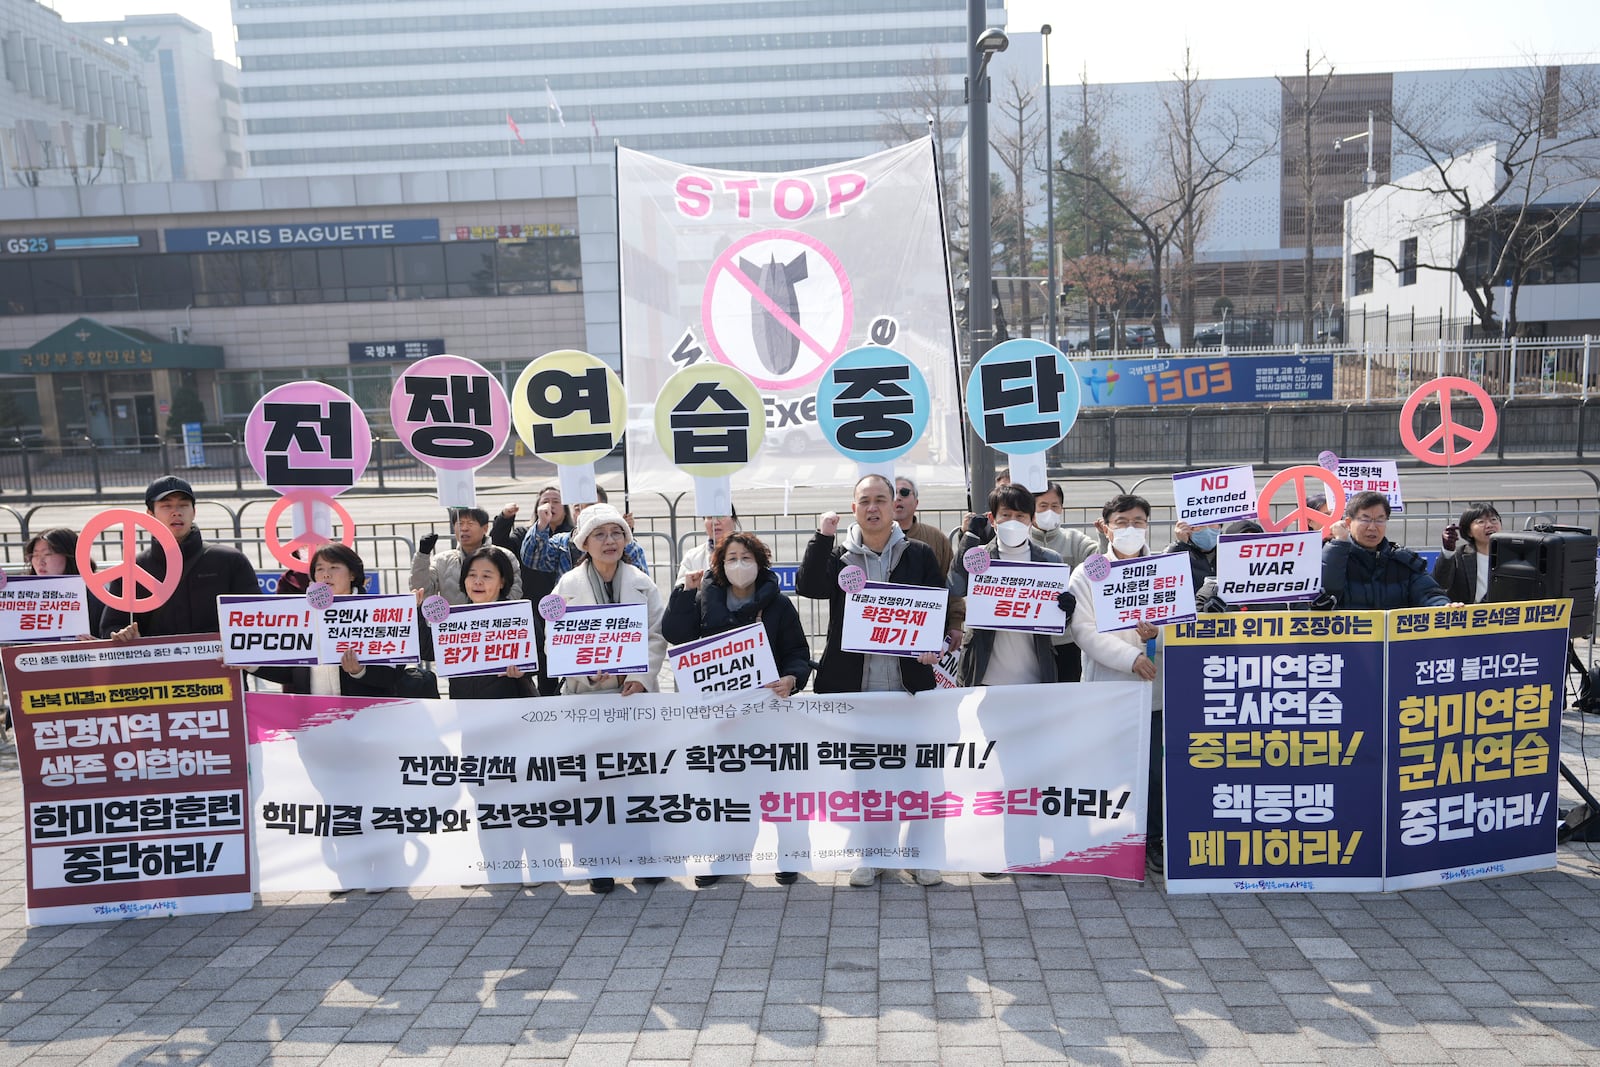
{"points": [[1365, 571], [208, 572]]}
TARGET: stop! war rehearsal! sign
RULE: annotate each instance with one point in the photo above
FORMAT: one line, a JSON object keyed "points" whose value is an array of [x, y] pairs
{"points": [[1269, 568], [41, 608], [731, 662], [781, 276], [1207, 498], [895, 620]]}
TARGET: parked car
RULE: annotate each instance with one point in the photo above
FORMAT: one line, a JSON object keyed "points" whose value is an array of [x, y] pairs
{"points": [[1241, 333], [1133, 337]]}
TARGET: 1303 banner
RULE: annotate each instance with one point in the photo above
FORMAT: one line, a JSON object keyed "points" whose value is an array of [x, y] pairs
{"points": [[450, 793], [1359, 751]]}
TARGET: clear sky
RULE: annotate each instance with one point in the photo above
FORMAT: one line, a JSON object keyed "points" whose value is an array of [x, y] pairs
{"points": [[1232, 38], [1255, 38]]}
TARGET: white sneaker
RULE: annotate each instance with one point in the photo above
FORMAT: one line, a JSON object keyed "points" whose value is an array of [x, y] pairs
{"points": [[863, 876], [927, 877]]}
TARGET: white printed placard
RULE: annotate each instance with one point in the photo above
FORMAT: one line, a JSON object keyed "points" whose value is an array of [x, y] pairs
{"points": [[485, 639], [894, 620], [378, 629], [1371, 476], [43, 608], [731, 662], [1269, 568], [598, 639], [1013, 595], [1153, 589], [1223, 494], [267, 631]]}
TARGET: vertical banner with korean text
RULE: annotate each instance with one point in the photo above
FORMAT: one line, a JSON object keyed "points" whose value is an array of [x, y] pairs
{"points": [[1474, 706], [133, 779], [1018, 778], [780, 276], [1274, 753]]}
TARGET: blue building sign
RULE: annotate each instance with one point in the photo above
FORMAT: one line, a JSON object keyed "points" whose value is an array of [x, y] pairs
{"points": [[1204, 380], [302, 235]]}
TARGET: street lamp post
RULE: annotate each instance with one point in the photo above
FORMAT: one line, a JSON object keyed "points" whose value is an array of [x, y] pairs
{"points": [[1049, 196], [984, 43]]}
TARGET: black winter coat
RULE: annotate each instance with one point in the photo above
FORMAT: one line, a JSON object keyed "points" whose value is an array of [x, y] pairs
{"points": [[378, 681], [209, 571], [493, 687], [1457, 573], [841, 671], [695, 613], [1391, 577], [979, 645]]}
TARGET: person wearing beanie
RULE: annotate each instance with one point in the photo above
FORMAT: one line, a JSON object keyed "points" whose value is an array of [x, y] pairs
{"points": [[209, 571]]}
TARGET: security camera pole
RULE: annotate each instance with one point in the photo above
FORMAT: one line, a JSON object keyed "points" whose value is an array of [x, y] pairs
{"points": [[985, 42]]}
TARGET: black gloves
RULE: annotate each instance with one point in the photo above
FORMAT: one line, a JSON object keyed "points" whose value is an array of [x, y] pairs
{"points": [[1068, 602], [425, 546], [1325, 601], [1449, 537]]}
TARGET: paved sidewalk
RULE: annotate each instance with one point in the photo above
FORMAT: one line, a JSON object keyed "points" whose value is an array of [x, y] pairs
{"points": [[1032, 970]]}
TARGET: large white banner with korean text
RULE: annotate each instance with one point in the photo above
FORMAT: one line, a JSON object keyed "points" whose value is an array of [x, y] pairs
{"points": [[1015, 778], [781, 276]]}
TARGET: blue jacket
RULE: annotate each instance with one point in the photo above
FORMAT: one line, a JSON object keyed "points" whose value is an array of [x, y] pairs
{"points": [[1391, 577]]}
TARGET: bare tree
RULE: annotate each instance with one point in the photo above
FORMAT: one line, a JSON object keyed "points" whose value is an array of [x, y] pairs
{"points": [[1542, 126], [1018, 140], [931, 104], [1306, 99], [1202, 148]]}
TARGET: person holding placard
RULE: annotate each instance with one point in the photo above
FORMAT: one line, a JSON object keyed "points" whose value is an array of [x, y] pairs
{"points": [[1125, 655], [441, 575], [1073, 546], [1365, 571], [553, 515], [1200, 544], [486, 578], [209, 571], [602, 578], [1007, 657], [739, 589], [878, 547], [1464, 573], [54, 553], [339, 568]]}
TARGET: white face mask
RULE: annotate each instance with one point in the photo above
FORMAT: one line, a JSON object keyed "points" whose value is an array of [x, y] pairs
{"points": [[1047, 520], [739, 572], [1012, 533], [1128, 541]]}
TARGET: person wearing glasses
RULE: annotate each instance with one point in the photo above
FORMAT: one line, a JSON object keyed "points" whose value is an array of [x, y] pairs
{"points": [[1365, 571], [1464, 573]]}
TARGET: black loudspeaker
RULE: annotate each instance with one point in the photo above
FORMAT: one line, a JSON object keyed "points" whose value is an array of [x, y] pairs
{"points": [[1546, 563]]}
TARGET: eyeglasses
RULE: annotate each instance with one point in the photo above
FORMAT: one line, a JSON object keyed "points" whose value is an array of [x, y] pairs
{"points": [[903, 491], [608, 535], [1123, 524], [1362, 521]]}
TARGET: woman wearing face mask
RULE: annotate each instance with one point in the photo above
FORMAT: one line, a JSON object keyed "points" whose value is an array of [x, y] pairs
{"points": [[1005, 657], [1200, 542], [1073, 546], [486, 579], [55, 553], [739, 589]]}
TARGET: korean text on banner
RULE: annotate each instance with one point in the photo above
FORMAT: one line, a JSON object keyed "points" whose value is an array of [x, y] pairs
{"points": [[1474, 710], [485, 639], [378, 629], [1274, 754], [1019, 778], [598, 639], [39, 608], [1269, 568], [1372, 475], [1153, 589], [779, 276], [133, 779], [894, 620], [1018, 596], [266, 630], [732, 662], [1207, 498]]}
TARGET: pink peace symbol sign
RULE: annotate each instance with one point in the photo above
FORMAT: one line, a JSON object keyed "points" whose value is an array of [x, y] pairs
{"points": [[1448, 430], [132, 576], [307, 499], [1308, 517]]}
